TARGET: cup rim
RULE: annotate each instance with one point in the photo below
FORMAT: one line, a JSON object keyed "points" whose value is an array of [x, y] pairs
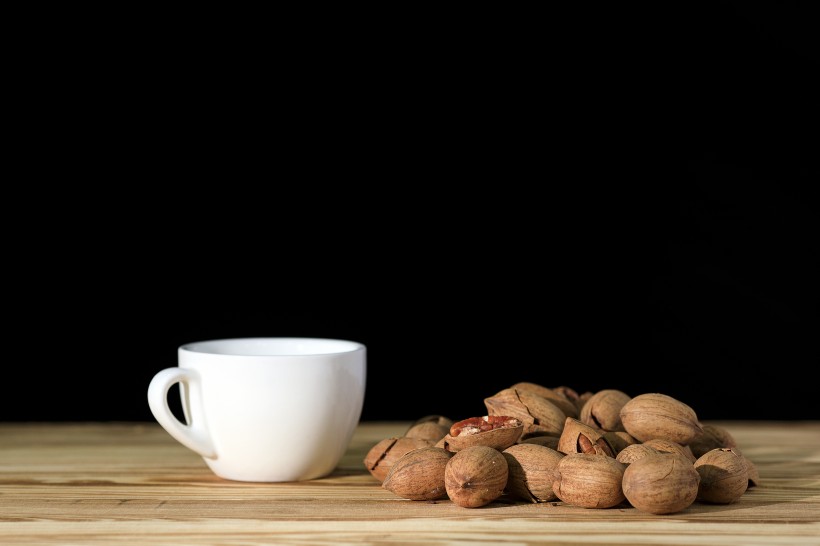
{"points": [[194, 347]]}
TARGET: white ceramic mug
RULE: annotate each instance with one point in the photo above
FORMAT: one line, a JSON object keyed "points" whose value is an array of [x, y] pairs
{"points": [[265, 409]]}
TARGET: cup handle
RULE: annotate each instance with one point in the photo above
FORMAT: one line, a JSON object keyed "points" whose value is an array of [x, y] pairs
{"points": [[194, 436]]}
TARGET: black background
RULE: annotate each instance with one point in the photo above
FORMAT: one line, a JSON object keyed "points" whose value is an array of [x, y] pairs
{"points": [[598, 200]]}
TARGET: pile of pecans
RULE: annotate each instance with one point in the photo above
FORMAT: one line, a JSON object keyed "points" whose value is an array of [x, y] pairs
{"points": [[595, 450]]}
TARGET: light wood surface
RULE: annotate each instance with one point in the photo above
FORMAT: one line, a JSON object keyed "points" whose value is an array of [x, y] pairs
{"points": [[94, 483]]}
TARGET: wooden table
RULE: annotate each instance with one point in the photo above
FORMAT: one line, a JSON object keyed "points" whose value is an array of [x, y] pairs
{"points": [[133, 484]]}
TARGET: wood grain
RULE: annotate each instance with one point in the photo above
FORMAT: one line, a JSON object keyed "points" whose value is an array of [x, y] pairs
{"points": [[93, 483]]}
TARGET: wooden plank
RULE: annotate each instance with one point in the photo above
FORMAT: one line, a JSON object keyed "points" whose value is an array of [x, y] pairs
{"points": [[90, 483]]}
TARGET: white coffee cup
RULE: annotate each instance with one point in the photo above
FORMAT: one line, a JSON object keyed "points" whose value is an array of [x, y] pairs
{"points": [[265, 409]]}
